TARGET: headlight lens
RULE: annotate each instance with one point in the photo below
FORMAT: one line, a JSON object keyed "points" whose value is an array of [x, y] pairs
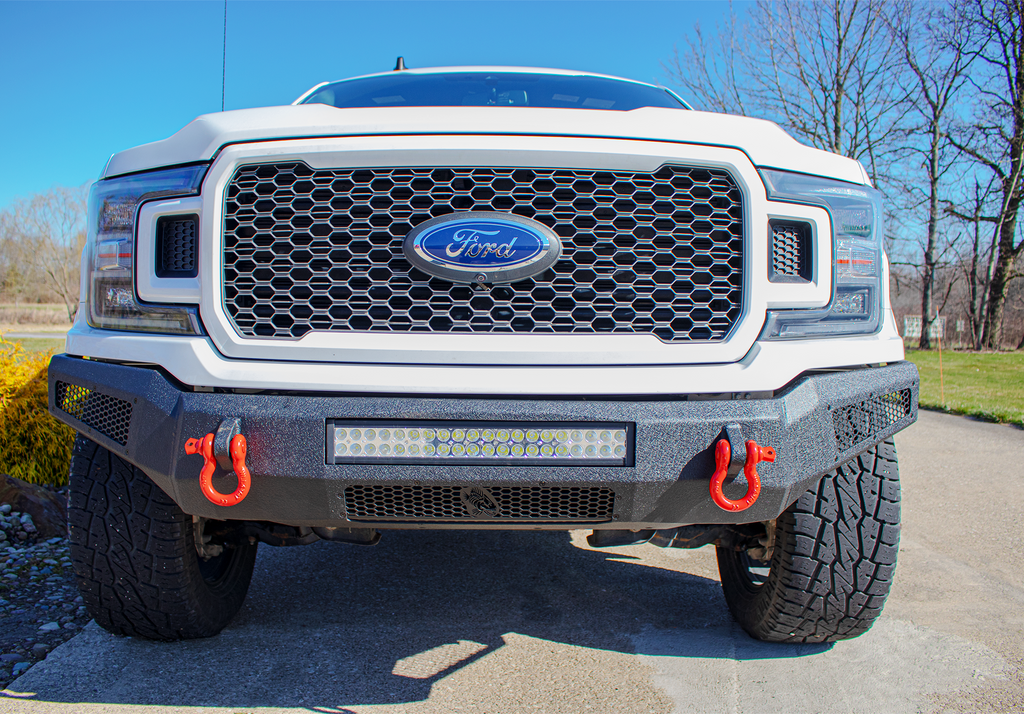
{"points": [[856, 213], [110, 248]]}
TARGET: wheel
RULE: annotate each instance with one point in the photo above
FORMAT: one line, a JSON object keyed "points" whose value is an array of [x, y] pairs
{"points": [[135, 557], [833, 559]]}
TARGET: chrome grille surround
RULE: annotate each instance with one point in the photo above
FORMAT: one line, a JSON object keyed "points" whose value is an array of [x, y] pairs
{"points": [[643, 252]]}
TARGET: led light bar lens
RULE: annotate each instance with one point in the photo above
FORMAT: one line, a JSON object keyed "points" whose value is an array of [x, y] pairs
{"points": [[480, 442]]}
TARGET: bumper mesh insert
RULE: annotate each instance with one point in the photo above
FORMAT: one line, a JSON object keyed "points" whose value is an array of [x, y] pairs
{"points": [[863, 421], [321, 249], [108, 415], [448, 503]]}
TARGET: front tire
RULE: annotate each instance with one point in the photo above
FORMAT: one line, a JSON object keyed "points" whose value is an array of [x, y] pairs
{"points": [[135, 556], [833, 561]]}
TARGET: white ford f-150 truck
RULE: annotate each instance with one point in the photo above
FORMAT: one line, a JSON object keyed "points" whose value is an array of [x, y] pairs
{"points": [[484, 298]]}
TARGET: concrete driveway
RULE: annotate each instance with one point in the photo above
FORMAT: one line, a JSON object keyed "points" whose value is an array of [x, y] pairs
{"points": [[538, 622]]}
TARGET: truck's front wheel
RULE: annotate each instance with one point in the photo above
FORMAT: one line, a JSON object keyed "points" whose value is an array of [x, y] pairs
{"points": [[135, 555], [833, 559]]}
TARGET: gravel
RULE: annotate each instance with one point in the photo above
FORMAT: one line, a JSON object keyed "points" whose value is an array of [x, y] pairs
{"points": [[40, 607]]}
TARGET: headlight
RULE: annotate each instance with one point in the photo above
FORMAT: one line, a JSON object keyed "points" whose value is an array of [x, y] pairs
{"points": [[856, 212], [110, 252]]}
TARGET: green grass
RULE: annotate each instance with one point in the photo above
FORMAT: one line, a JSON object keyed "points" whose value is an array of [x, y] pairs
{"points": [[984, 385], [41, 344], [38, 344]]}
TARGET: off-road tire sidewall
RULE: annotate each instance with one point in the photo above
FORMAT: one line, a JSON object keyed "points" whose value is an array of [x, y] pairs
{"points": [[834, 558], [134, 554]]}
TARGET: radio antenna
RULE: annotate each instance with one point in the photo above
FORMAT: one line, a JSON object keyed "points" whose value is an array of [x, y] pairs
{"points": [[224, 64]]}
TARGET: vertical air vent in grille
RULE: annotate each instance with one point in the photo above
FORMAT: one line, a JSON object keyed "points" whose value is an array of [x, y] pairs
{"points": [[791, 251], [176, 246], [107, 415], [863, 422]]}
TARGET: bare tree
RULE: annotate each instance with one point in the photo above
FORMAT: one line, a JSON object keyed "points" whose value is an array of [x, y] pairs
{"points": [[7, 261], [713, 70], [977, 265], [995, 137], [931, 39], [823, 70], [49, 232]]}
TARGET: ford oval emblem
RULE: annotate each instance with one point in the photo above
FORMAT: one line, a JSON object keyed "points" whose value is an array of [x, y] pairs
{"points": [[482, 247]]}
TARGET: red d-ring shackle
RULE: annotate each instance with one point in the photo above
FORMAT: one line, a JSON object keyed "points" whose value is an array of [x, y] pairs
{"points": [[204, 447], [723, 455]]}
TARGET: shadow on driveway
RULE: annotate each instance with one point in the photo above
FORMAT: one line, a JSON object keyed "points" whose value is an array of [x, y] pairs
{"points": [[331, 626]]}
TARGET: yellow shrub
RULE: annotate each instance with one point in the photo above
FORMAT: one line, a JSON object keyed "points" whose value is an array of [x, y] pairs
{"points": [[34, 446]]}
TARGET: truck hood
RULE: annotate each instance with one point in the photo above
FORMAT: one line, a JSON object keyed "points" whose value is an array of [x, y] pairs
{"points": [[764, 142]]}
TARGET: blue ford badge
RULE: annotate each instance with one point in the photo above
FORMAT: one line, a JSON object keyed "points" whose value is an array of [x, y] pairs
{"points": [[482, 247]]}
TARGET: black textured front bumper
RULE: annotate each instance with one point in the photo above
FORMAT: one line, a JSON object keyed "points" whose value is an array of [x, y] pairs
{"points": [[817, 422]]}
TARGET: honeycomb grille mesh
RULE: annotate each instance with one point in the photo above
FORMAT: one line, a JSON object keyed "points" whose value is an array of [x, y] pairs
{"points": [[321, 249], [108, 415], [864, 421], [178, 245], [444, 503], [789, 250]]}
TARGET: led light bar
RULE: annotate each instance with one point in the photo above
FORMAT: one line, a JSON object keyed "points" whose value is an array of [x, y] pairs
{"points": [[469, 442]]}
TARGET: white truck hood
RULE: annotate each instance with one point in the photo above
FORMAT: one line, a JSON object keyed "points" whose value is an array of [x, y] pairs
{"points": [[764, 142]]}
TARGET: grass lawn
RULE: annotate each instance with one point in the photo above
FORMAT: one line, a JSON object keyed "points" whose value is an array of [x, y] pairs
{"points": [[989, 386], [39, 344]]}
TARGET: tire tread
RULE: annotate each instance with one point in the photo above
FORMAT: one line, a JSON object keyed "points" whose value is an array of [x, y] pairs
{"points": [[134, 558], [834, 559]]}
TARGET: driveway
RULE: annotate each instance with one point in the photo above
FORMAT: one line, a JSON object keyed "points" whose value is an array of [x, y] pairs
{"points": [[539, 622]]}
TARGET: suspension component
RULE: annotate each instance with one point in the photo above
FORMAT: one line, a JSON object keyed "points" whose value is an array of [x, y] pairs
{"points": [[723, 455], [236, 449]]}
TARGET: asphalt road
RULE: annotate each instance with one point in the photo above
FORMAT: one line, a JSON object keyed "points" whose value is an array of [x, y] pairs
{"points": [[538, 622]]}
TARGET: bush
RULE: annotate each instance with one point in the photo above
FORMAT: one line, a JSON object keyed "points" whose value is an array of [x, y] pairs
{"points": [[34, 446]]}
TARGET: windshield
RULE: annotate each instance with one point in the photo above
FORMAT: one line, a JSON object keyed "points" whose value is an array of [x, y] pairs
{"points": [[495, 89]]}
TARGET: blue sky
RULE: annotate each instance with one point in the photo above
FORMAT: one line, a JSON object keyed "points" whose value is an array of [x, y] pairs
{"points": [[82, 80]]}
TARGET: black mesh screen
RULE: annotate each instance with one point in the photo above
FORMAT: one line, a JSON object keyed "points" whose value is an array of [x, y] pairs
{"points": [[863, 421], [508, 503], [176, 246], [108, 415], [791, 251], [321, 249]]}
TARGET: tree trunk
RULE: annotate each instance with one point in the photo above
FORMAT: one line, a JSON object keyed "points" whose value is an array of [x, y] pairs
{"points": [[977, 290], [928, 287], [1005, 260], [1013, 63], [928, 280]]}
